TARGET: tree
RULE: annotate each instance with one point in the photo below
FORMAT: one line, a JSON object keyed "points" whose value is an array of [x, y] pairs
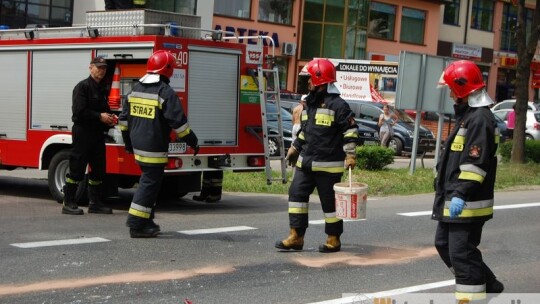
{"points": [[526, 49]]}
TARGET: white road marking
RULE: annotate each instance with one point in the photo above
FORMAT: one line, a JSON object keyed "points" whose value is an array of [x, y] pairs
{"points": [[60, 242], [215, 230], [320, 222], [514, 206], [389, 293]]}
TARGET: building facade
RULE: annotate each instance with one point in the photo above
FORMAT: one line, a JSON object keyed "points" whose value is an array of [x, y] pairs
{"points": [[479, 30], [484, 31]]}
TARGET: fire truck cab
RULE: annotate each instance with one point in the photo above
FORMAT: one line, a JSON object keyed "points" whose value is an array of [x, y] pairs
{"points": [[214, 82]]}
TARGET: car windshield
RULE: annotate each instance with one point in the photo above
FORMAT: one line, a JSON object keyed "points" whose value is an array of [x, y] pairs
{"points": [[271, 113]]}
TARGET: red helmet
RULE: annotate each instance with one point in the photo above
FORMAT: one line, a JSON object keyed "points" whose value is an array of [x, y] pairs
{"points": [[162, 63], [321, 71], [462, 77]]}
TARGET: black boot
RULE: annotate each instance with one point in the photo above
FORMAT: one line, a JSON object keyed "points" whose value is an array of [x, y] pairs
{"points": [[96, 205], [69, 205], [141, 228], [494, 286]]}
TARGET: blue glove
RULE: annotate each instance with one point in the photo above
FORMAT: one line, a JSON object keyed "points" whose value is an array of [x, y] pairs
{"points": [[456, 206]]}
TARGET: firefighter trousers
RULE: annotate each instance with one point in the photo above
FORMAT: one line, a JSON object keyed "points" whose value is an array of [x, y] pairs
{"points": [[301, 188], [88, 149], [144, 199], [457, 244]]}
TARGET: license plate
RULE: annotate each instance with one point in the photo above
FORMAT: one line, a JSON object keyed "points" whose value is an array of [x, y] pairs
{"points": [[370, 142], [177, 147]]}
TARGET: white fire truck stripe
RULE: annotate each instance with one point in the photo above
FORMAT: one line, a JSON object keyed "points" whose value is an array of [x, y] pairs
{"points": [[515, 206], [60, 242], [215, 230]]}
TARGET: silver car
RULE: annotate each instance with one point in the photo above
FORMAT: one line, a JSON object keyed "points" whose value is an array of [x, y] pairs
{"points": [[532, 124]]}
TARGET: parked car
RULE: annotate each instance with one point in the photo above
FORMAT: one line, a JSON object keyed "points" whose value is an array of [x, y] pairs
{"points": [[272, 125], [501, 124], [289, 105], [367, 113], [509, 103], [366, 134], [532, 125]]}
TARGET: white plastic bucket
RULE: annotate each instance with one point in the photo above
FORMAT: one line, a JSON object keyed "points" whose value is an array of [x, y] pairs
{"points": [[351, 200]]}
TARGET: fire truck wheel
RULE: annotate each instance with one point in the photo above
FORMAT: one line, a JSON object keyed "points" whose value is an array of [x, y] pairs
{"points": [[56, 176]]}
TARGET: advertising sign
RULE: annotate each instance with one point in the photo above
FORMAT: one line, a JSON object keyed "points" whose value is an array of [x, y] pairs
{"points": [[366, 80]]}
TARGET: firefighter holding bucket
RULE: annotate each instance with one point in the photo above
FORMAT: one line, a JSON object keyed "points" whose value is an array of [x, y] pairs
{"points": [[327, 137]]}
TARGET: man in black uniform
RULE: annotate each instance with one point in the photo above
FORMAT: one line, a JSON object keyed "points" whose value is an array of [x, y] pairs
{"points": [[327, 137], [465, 182], [92, 117], [149, 114]]}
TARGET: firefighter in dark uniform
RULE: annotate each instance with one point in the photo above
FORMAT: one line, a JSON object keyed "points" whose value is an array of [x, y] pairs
{"points": [[465, 183], [212, 187], [327, 137], [92, 118], [149, 114]]}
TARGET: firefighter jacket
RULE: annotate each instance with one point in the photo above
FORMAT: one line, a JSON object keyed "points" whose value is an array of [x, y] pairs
{"points": [[149, 113], [467, 166], [89, 101], [328, 132]]}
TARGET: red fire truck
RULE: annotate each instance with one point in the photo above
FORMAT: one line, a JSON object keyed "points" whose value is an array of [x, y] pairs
{"points": [[214, 81]]}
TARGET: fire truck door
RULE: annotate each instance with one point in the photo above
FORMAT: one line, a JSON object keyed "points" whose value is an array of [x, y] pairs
{"points": [[13, 81], [54, 75]]}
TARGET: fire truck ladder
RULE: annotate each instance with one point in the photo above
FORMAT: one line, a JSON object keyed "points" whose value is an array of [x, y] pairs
{"points": [[266, 88]]}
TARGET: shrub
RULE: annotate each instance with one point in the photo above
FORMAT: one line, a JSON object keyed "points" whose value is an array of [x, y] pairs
{"points": [[374, 157], [532, 151]]}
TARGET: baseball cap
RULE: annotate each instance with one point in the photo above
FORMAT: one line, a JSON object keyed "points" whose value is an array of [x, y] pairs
{"points": [[98, 61]]}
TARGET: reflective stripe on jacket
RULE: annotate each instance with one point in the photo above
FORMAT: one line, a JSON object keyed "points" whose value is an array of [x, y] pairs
{"points": [[467, 167], [149, 113]]}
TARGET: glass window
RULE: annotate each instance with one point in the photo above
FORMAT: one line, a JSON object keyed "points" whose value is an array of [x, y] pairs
{"points": [[335, 11], [62, 3], [38, 14], [314, 10], [333, 35], [233, 8], [356, 34], [178, 6], [311, 40], [282, 64], [382, 20], [509, 26], [482, 15], [335, 29], [370, 112], [413, 23], [278, 11], [451, 13], [60, 16]]}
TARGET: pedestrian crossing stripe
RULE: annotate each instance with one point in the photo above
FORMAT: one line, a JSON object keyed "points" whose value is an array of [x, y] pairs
{"points": [[216, 230], [60, 242], [513, 206]]}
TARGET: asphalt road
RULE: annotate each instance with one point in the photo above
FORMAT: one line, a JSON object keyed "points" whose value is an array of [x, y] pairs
{"points": [[390, 250]]}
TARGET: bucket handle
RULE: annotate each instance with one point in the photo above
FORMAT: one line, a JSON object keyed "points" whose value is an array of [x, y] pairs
{"points": [[350, 179]]}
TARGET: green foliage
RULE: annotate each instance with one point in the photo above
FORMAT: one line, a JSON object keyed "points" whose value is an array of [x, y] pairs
{"points": [[373, 157], [386, 182], [532, 151]]}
